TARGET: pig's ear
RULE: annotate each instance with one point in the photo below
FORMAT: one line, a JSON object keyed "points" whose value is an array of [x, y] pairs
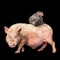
{"points": [[5, 29], [19, 29], [41, 14]]}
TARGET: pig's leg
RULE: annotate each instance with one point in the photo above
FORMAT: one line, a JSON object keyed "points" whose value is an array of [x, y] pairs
{"points": [[23, 49], [21, 44], [52, 43], [42, 47]]}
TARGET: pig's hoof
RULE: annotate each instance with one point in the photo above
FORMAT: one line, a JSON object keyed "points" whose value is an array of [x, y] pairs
{"points": [[17, 52], [54, 51], [22, 49], [40, 50]]}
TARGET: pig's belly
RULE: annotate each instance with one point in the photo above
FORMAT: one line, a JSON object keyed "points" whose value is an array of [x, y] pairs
{"points": [[34, 40]]}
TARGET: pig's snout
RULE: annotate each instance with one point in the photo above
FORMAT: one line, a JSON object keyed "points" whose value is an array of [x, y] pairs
{"points": [[12, 45]]}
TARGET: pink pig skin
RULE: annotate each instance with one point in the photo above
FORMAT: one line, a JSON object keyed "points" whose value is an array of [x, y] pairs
{"points": [[34, 36]]}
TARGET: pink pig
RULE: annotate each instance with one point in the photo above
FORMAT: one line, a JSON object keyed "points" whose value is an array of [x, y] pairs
{"points": [[26, 34]]}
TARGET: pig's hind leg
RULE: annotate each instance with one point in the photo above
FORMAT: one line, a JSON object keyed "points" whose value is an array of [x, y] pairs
{"points": [[50, 41], [43, 46]]}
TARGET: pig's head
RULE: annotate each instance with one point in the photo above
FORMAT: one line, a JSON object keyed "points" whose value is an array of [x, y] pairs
{"points": [[36, 19], [12, 37]]}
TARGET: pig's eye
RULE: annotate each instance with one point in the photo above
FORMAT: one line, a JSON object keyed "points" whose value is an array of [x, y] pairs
{"points": [[15, 36]]}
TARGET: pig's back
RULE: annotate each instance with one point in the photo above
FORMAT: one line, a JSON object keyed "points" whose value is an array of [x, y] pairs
{"points": [[24, 26]]}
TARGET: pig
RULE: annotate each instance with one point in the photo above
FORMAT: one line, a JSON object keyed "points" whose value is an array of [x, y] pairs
{"points": [[36, 19], [27, 34]]}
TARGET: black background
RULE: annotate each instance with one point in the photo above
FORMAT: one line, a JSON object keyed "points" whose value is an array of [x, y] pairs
{"points": [[14, 12]]}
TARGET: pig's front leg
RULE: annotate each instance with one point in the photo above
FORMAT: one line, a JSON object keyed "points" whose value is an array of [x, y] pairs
{"points": [[20, 46], [23, 49]]}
